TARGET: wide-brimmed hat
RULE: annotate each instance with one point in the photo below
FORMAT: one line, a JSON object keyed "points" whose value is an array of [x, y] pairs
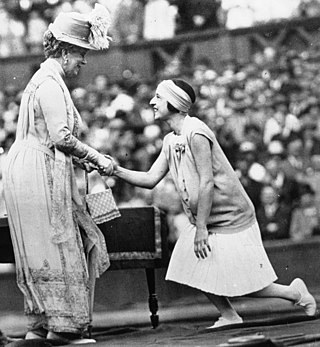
{"points": [[89, 30]]}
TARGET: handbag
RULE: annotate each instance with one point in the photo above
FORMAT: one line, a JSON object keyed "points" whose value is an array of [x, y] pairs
{"points": [[101, 206]]}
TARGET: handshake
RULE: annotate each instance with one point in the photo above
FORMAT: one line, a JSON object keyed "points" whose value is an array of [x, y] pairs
{"points": [[105, 165], [109, 169]]}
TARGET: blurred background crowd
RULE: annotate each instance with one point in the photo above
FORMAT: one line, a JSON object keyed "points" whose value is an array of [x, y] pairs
{"points": [[265, 113], [23, 22]]}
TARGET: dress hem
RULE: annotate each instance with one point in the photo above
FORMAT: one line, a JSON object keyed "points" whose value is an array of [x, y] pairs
{"points": [[224, 293]]}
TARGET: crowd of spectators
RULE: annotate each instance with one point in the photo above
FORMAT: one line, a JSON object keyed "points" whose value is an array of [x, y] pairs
{"points": [[23, 22], [265, 115]]}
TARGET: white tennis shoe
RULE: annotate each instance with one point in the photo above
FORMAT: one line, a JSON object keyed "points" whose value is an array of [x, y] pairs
{"points": [[306, 300], [223, 322]]}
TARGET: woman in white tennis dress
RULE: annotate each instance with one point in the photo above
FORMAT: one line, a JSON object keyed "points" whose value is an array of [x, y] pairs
{"points": [[220, 252]]}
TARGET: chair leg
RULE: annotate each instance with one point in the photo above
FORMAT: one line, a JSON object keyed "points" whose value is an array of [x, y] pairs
{"points": [[153, 299]]}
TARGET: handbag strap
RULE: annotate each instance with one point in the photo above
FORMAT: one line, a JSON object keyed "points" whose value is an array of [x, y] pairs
{"points": [[87, 181], [86, 175]]}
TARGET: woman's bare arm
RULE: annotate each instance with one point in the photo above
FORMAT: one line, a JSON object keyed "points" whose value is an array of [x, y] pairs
{"points": [[143, 179], [200, 147]]}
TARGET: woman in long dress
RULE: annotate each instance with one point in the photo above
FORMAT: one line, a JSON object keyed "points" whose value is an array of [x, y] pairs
{"points": [[59, 251], [220, 252]]}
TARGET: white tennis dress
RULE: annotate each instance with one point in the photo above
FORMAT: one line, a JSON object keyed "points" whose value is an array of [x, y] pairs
{"points": [[237, 264]]}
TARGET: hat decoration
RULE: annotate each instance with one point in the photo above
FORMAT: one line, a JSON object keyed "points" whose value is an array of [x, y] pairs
{"points": [[99, 21]]}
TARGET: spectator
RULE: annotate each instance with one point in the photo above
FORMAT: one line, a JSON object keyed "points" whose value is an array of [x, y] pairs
{"points": [[197, 15], [253, 133], [4, 33], [128, 21], [159, 20], [100, 86], [273, 216], [238, 14], [187, 15], [245, 167], [313, 176], [286, 187], [12, 33], [110, 109], [228, 143], [311, 140], [281, 125], [36, 27], [295, 163], [306, 216]]}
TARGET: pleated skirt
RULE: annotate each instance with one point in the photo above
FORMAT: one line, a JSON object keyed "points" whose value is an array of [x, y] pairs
{"points": [[237, 264]]}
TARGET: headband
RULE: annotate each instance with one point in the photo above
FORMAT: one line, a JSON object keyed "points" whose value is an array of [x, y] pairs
{"points": [[176, 96]]}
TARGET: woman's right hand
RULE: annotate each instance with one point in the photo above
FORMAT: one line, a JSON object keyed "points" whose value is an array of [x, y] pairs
{"points": [[114, 162], [201, 243], [105, 166]]}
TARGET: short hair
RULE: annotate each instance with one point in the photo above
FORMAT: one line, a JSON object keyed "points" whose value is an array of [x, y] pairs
{"points": [[53, 47], [187, 88]]}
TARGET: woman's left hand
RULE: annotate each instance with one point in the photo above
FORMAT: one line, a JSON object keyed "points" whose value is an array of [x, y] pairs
{"points": [[201, 244], [89, 167], [84, 165]]}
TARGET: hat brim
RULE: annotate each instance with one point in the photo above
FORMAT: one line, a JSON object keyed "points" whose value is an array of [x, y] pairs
{"points": [[69, 39]]}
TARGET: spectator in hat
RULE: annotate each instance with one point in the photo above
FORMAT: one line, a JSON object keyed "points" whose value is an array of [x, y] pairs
{"points": [[45, 211]]}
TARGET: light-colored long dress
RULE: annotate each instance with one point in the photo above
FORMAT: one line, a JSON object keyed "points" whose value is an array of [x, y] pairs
{"points": [[59, 251]]}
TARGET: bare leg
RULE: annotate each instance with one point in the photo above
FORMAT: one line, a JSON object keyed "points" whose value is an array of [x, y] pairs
{"points": [[223, 305]]}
